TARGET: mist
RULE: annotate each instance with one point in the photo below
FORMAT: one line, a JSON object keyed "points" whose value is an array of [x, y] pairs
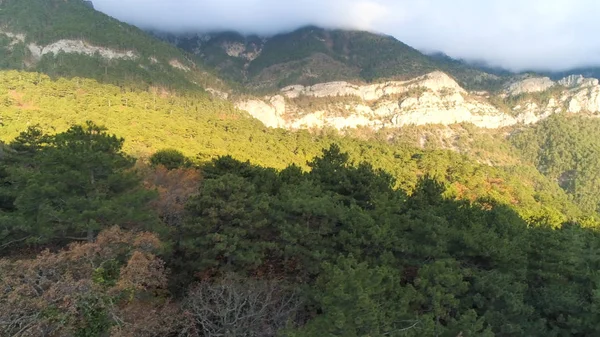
{"points": [[544, 35]]}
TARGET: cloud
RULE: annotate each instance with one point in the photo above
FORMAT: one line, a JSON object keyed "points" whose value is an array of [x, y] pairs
{"points": [[515, 34]]}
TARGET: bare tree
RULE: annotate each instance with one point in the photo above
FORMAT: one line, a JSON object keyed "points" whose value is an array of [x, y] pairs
{"points": [[235, 307], [47, 295]]}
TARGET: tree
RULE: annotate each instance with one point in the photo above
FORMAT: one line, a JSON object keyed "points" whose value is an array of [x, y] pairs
{"points": [[170, 158], [88, 289], [226, 227], [82, 182], [174, 187], [236, 306]]}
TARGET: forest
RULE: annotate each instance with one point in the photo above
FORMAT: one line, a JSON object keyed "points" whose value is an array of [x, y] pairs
{"points": [[144, 212], [134, 203], [97, 243]]}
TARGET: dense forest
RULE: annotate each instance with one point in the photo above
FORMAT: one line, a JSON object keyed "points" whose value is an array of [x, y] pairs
{"points": [[200, 221], [97, 244], [204, 128], [567, 150], [134, 203]]}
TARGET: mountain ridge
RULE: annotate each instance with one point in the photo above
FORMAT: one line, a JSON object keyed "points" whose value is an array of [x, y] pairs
{"points": [[71, 39], [311, 55]]}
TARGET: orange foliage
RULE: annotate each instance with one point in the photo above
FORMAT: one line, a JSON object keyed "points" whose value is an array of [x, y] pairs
{"points": [[143, 272], [174, 188], [45, 295]]}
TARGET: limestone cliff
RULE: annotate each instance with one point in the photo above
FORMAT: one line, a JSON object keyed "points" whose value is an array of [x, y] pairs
{"points": [[434, 98], [82, 47]]}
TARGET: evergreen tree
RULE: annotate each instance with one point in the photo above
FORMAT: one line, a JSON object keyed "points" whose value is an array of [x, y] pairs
{"points": [[81, 182]]}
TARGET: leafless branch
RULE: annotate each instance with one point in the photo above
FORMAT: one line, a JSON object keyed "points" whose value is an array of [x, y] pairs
{"points": [[235, 308]]}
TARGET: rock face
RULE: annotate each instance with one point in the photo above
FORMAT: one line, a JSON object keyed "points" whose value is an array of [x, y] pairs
{"points": [[435, 81], [434, 98], [79, 47], [241, 50], [178, 65], [529, 85], [88, 3], [574, 81], [15, 38], [70, 47], [271, 113], [584, 99]]}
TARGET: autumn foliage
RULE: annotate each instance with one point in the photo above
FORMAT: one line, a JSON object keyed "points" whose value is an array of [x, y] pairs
{"points": [[86, 289]]}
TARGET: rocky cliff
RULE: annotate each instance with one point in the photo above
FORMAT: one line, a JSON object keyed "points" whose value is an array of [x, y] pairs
{"points": [[435, 98], [82, 47]]}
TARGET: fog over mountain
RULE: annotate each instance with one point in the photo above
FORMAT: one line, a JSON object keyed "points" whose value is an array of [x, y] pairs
{"points": [[517, 35]]}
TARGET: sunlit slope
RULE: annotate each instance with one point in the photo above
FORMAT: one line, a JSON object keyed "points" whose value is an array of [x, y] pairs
{"points": [[204, 128]]}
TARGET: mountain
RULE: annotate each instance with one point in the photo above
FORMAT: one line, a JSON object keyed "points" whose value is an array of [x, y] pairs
{"points": [[367, 189], [583, 71], [205, 129], [312, 55], [434, 98], [312, 220], [68, 38]]}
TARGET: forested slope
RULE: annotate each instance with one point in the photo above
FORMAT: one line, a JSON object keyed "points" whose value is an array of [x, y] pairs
{"points": [[91, 44], [311, 55], [567, 150], [336, 250], [204, 128]]}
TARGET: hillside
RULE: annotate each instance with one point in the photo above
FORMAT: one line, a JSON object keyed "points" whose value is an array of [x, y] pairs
{"points": [[313, 55], [68, 38], [369, 190], [315, 233], [204, 128]]}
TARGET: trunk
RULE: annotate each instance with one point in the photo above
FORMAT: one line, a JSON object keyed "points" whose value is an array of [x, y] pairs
{"points": [[90, 235], [90, 231]]}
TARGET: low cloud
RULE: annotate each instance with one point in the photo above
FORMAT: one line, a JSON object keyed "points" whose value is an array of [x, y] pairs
{"points": [[514, 34]]}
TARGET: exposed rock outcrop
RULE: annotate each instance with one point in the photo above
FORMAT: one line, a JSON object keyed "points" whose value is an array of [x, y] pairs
{"points": [[584, 99], [79, 47], [431, 99], [529, 85], [271, 114], [574, 81], [178, 65], [435, 81], [88, 3], [241, 50], [217, 93], [69, 47], [15, 38]]}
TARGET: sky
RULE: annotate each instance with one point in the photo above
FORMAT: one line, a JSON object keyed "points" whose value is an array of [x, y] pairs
{"points": [[514, 34]]}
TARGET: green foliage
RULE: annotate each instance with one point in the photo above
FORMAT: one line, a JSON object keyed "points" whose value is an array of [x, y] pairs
{"points": [[566, 150], [170, 158], [108, 273], [437, 246], [313, 55], [380, 262], [73, 184], [204, 129], [95, 319], [47, 21]]}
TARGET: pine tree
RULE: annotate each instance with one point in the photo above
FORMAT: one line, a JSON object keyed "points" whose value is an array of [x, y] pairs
{"points": [[82, 182]]}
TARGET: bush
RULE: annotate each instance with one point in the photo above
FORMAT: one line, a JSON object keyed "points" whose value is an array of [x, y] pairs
{"points": [[170, 158]]}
